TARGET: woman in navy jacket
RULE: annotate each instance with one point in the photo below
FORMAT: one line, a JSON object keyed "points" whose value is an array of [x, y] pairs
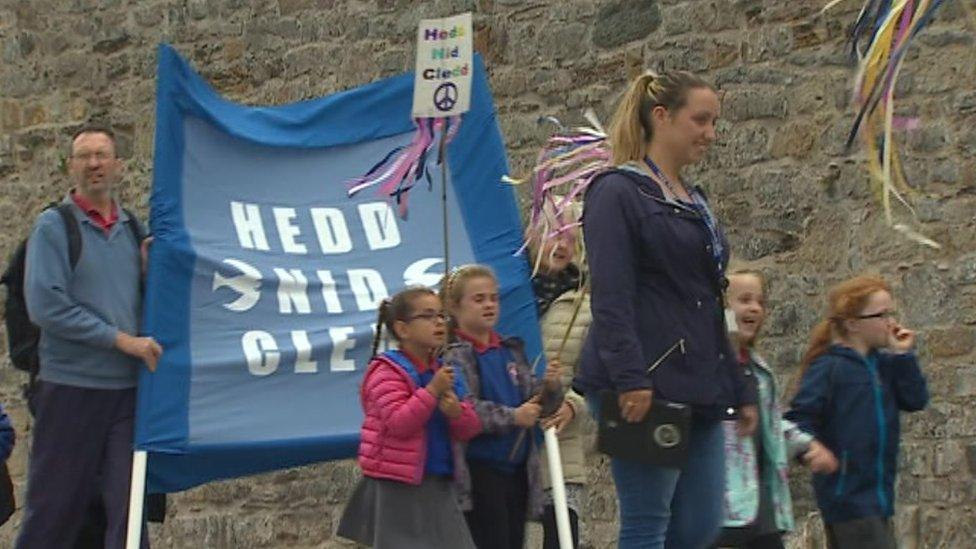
{"points": [[657, 259], [860, 373]]}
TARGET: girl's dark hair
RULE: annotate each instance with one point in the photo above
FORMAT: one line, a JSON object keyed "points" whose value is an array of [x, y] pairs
{"points": [[398, 307]]}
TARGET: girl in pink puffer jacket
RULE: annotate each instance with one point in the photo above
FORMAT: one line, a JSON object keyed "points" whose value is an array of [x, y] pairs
{"points": [[417, 417]]}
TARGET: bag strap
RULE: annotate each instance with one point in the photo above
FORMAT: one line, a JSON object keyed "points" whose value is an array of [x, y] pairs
{"points": [[138, 236], [72, 233], [134, 227]]}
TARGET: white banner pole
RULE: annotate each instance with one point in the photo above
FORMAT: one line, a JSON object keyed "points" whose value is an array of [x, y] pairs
{"points": [[137, 498], [558, 490]]}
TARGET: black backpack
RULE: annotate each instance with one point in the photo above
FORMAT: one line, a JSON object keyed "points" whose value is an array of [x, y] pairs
{"points": [[22, 334]]}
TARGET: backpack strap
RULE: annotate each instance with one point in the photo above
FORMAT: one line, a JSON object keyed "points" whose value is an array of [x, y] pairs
{"points": [[134, 227], [72, 232], [137, 234]]}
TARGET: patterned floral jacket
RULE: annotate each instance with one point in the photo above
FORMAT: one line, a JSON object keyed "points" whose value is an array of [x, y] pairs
{"points": [[782, 440]]}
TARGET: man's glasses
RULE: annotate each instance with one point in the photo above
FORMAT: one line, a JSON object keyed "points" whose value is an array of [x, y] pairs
{"points": [[100, 156], [882, 314]]}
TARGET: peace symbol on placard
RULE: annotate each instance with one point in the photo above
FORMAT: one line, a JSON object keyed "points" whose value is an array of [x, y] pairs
{"points": [[445, 96]]}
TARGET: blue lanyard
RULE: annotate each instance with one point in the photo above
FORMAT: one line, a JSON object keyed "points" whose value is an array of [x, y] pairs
{"points": [[660, 175], [701, 207]]}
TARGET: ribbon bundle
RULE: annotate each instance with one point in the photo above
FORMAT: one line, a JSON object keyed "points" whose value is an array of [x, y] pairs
{"points": [[879, 38], [404, 166], [565, 167]]}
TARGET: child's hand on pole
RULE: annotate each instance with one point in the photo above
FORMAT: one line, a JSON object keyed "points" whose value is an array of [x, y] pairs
{"points": [[563, 417], [528, 413], [450, 405], [442, 381]]}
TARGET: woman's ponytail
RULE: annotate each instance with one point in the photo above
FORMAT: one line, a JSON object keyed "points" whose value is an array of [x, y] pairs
{"points": [[630, 128]]}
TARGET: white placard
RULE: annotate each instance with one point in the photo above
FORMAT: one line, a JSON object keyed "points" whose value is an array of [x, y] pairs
{"points": [[442, 83]]}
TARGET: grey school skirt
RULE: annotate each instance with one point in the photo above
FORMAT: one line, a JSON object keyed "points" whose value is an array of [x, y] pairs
{"points": [[386, 514]]}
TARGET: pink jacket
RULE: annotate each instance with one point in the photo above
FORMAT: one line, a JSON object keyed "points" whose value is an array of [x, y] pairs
{"points": [[393, 439]]}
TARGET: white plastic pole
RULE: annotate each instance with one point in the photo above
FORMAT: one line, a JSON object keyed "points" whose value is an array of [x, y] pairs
{"points": [[443, 157], [137, 496], [558, 490]]}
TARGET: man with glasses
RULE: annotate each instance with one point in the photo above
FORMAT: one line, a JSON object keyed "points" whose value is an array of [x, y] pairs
{"points": [[83, 288]]}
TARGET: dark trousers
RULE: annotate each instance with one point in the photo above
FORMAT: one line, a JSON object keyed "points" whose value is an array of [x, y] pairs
{"points": [[92, 533], [764, 541], [550, 532], [82, 447], [497, 520], [864, 533]]}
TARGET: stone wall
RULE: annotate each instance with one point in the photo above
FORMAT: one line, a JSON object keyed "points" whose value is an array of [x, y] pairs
{"points": [[793, 202]]}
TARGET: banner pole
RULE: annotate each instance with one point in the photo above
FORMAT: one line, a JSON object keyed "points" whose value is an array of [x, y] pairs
{"points": [[443, 157], [137, 498], [558, 490]]}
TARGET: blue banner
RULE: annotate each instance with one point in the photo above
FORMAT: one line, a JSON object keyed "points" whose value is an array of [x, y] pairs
{"points": [[264, 276]]}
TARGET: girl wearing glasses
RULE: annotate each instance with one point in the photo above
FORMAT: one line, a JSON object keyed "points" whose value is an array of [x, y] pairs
{"points": [[506, 483], [859, 372], [411, 443]]}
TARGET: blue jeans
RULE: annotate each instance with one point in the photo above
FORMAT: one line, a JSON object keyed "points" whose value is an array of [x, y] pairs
{"points": [[676, 509]]}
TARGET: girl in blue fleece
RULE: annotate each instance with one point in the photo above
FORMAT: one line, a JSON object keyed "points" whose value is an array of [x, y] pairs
{"points": [[506, 483], [860, 372]]}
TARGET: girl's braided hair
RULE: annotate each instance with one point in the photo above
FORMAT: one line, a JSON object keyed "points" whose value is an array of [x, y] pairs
{"points": [[398, 307]]}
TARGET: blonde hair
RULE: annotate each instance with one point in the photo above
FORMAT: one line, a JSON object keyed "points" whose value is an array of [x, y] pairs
{"points": [[452, 288], [743, 271], [572, 212], [631, 128]]}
